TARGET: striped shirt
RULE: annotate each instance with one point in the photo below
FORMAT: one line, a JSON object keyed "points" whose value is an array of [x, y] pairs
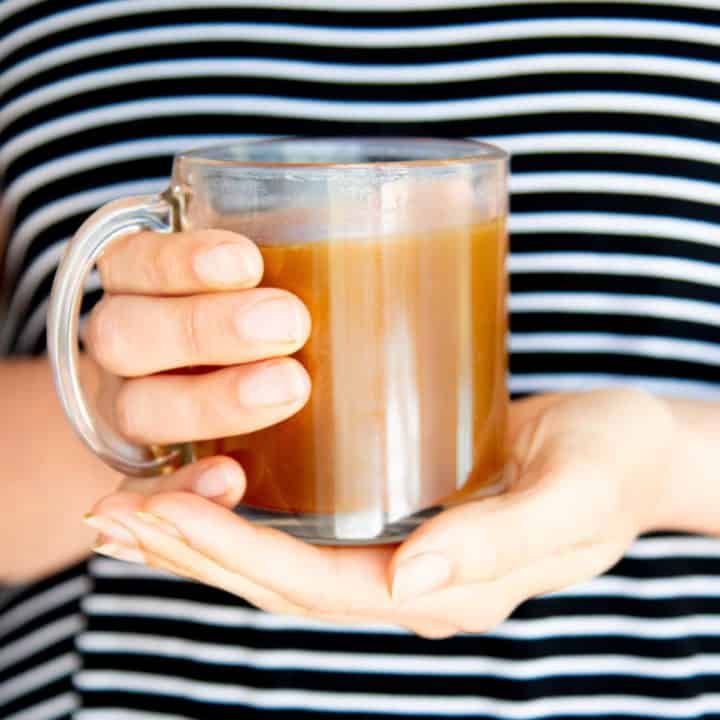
{"points": [[612, 113]]}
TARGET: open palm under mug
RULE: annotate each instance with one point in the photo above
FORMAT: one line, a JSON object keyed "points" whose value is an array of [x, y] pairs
{"points": [[397, 247]]}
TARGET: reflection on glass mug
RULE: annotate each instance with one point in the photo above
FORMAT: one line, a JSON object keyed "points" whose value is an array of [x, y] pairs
{"points": [[397, 247]]}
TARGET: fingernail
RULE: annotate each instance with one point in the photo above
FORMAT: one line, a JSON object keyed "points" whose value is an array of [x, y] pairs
{"points": [[226, 264], [276, 383], [419, 576], [120, 552], [111, 529], [159, 523], [215, 481], [278, 320]]}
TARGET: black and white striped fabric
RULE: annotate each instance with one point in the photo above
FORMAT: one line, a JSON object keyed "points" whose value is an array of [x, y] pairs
{"points": [[612, 113]]}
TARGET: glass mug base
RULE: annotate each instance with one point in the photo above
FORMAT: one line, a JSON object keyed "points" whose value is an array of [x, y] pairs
{"points": [[356, 528]]}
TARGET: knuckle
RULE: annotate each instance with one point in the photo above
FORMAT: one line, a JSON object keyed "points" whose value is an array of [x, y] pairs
{"points": [[163, 266], [215, 406], [103, 334], [113, 263], [195, 321]]}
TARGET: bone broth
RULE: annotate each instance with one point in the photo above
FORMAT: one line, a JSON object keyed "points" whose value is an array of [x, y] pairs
{"points": [[407, 360]]}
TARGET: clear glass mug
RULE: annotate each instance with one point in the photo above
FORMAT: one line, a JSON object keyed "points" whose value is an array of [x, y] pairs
{"points": [[397, 247]]}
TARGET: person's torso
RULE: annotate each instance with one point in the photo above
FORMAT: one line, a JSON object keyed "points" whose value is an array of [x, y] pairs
{"points": [[612, 113]]}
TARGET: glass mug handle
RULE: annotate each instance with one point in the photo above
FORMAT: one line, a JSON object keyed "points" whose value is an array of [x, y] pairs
{"points": [[151, 212]]}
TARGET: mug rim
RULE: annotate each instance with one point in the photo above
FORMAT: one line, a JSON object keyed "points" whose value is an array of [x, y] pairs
{"points": [[478, 152]]}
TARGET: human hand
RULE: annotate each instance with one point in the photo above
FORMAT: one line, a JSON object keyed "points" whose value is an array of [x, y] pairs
{"points": [[589, 472], [174, 301]]}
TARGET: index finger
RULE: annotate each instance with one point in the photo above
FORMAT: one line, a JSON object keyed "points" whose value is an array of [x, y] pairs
{"points": [[180, 263], [323, 580]]}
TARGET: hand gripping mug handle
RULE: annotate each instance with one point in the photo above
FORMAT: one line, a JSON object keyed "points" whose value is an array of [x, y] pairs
{"points": [[153, 212]]}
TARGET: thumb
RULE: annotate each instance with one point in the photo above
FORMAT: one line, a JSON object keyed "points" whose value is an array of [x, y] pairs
{"points": [[486, 540]]}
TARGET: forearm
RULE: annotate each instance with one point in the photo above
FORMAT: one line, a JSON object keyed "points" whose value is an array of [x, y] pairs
{"points": [[692, 499], [48, 479]]}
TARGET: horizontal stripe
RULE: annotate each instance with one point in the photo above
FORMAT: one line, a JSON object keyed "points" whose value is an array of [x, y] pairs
{"points": [[239, 33], [107, 568], [13, 6], [39, 677], [656, 347], [529, 384], [431, 73], [215, 693], [616, 224], [359, 37], [372, 663], [39, 640], [600, 639], [655, 548], [57, 707], [237, 617], [42, 603], [667, 268], [620, 304], [606, 142], [374, 112], [685, 586], [610, 625], [224, 616], [617, 184], [629, 366]]}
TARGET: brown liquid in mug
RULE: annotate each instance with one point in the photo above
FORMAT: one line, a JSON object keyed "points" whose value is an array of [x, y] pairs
{"points": [[407, 359]]}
